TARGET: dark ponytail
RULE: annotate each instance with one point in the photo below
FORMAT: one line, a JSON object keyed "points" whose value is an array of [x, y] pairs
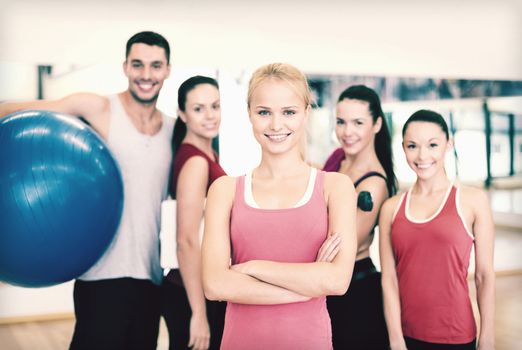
{"points": [[383, 138], [179, 133], [180, 128]]}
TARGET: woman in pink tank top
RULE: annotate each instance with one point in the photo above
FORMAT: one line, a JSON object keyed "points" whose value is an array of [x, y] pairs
{"points": [[280, 239], [426, 236]]}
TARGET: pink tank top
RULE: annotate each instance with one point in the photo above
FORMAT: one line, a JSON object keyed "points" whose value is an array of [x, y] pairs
{"points": [[432, 259], [283, 235]]}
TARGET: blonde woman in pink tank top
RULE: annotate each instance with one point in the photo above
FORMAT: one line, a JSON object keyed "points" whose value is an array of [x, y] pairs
{"points": [[281, 238], [426, 236]]}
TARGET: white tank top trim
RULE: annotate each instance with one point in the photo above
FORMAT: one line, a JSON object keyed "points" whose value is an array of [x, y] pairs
{"points": [[249, 196]]}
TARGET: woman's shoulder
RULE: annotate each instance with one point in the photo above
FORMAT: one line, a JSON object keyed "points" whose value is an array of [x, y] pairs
{"points": [[470, 190], [471, 195], [337, 153], [223, 187], [373, 181], [225, 182], [390, 204], [333, 160], [338, 184], [337, 179], [187, 150]]}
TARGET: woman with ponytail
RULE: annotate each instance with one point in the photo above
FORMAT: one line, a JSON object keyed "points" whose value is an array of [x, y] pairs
{"points": [[193, 322], [365, 156]]}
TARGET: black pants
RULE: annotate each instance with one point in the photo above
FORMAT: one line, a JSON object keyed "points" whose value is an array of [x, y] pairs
{"points": [[358, 316], [176, 311], [115, 314], [414, 344]]}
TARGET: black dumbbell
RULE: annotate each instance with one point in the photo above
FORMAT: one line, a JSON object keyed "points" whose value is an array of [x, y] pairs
{"points": [[364, 201]]}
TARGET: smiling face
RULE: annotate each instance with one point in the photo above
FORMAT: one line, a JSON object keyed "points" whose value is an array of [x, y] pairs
{"points": [[355, 128], [278, 115], [202, 113], [425, 145], [146, 68]]}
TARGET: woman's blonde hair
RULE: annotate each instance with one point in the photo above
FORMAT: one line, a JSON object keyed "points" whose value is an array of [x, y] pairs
{"points": [[284, 72]]}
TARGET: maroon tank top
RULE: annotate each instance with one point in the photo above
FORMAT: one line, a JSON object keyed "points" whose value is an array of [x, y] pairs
{"points": [[183, 154], [333, 164], [432, 259]]}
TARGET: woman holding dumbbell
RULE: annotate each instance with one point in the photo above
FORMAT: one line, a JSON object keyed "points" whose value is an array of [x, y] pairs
{"points": [[365, 156]]}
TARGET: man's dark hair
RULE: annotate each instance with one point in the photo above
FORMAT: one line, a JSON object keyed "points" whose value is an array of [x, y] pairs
{"points": [[149, 38]]}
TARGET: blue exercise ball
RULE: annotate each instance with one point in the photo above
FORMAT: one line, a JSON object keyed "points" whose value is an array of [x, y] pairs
{"points": [[61, 198]]}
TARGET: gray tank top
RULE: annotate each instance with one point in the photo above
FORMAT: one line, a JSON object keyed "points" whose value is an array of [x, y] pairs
{"points": [[145, 163]]}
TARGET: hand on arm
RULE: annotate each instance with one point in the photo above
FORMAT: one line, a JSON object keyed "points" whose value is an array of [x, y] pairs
{"points": [[390, 285], [190, 196], [220, 282], [329, 248], [321, 277]]}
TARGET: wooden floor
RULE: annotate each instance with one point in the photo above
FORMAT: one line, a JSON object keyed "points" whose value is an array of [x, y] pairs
{"points": [[56, 335], [508, 311], [50, 335]]}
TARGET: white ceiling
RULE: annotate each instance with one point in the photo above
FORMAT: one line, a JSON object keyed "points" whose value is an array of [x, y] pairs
{"points": [[460, 39]]}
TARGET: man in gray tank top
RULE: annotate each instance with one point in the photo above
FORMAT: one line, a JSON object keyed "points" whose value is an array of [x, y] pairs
{"points": [[117, 300]]}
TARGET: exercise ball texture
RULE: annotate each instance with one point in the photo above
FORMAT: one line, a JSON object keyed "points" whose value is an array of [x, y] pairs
{"points": [[61, 198]]}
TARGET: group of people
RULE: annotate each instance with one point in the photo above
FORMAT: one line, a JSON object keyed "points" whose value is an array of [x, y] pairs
{"points": [[285, 261]]}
